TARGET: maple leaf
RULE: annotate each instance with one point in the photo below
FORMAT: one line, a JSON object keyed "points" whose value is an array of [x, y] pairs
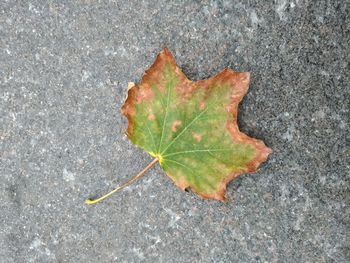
{"points": [[191, 127]]}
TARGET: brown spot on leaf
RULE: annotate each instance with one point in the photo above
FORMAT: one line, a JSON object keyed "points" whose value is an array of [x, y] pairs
{"points": [[175, 125], [202, 105], [197, 136], [229, 108], [151, 117], [186, 89], [145, 94]]}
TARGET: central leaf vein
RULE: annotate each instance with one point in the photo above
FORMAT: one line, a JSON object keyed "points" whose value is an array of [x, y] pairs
{"points": [[165, 117]]}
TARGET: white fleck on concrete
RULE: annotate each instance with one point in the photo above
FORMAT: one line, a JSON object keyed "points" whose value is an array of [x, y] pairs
{"points": [[68, 176]]}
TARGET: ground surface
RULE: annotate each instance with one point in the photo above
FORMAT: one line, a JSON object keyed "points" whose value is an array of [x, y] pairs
{"points": [[64, 69]]}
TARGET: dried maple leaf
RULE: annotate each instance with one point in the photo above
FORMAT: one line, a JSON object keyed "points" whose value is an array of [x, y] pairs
{"points": [[191, 127]]}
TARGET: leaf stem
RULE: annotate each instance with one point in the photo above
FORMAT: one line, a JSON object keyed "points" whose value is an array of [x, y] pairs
{"points": [[130, 181]]}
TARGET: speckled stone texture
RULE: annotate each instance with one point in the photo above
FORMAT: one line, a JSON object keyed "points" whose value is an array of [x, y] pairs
{"points": [[64, 69]]}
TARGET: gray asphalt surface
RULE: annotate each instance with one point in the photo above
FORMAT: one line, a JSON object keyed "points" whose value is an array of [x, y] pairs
{"points": [[64, 69]]}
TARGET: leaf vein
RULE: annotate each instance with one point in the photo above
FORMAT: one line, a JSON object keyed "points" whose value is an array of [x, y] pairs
{"points": [[165, 117], [179, 135], [189, 168], [200, 150]]}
